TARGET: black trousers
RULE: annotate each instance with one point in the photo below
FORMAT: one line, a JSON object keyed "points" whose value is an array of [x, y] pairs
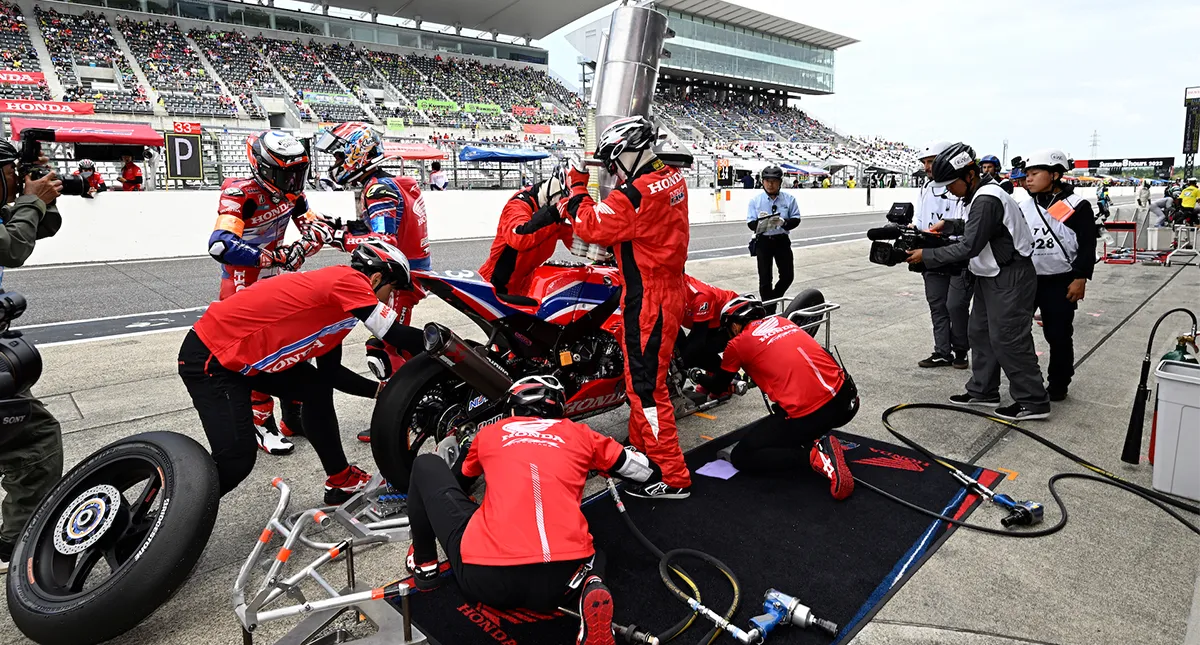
{"points": [[222, 397], [776, 442], [438, 511], [1058, 318], [777, 249]]}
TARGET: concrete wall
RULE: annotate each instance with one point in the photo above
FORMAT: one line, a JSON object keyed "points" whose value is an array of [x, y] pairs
{"points": [[133, 226]]}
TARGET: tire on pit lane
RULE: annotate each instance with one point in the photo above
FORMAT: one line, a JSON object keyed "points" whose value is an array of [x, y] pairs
{"points": [[148, 542], [804, 300]]}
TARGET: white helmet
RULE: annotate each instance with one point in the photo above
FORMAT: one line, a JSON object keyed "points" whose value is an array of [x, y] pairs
{"points": [[1049, 158], [624, 144], [933, 149]]}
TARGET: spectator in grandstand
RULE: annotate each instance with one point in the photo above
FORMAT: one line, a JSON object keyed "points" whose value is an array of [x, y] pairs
{"points": [[131, 174], [771, 214], [87, 171], [850, 183], [437, 178]]}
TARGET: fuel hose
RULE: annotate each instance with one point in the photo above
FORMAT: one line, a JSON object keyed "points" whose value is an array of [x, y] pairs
{"points": [[1166, 503]]}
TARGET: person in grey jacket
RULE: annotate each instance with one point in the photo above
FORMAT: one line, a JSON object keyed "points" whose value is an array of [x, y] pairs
{"points": [[31, 458], [997, 244]]}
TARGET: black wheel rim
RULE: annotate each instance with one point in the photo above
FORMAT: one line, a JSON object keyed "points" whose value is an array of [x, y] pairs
{"points": [[427, 416], [98, 528]]}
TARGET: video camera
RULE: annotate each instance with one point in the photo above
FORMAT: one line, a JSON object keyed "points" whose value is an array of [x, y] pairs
{"points": [[20, 362], [906, 238], [31, 151]]}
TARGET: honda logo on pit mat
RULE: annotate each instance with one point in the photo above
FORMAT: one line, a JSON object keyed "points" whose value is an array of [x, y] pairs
{"points": [[892, 460], [490, 620]]}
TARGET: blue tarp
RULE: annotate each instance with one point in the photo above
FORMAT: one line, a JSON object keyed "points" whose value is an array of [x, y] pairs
{"points": [[512, 155]]}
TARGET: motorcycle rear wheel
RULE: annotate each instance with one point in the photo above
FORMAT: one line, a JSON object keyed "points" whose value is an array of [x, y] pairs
{"points": [[421, 401]]}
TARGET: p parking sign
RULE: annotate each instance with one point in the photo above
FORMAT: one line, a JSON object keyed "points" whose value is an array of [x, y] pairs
{"points": [[183, 156]]}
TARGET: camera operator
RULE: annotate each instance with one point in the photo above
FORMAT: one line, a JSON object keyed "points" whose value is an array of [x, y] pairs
{"points": [[1064, 252], [30, 452], [998, 245], [771, 214], [948, 290]]}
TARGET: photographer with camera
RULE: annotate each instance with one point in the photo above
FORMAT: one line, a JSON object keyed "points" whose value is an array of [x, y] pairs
{"points": [[1064, 251], [998, 244], [948, 291], [771, 214], [31, 458]]}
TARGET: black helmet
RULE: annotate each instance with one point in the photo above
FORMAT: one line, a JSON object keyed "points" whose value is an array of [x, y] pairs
{"points": [[742, 310], [953, 163], [772, 172], [8, 153], [278, 161], [542, 397], [376, 256]]}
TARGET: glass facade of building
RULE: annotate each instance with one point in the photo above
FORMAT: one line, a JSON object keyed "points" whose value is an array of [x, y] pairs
{"points": [[713, 47], [365, 33]]}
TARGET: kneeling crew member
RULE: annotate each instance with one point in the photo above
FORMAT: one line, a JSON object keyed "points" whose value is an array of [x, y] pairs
{"points": [[704, 342], [527, 545], [1064, 252], [261, 339], [812, 395], [529, 230], [997, 243]]}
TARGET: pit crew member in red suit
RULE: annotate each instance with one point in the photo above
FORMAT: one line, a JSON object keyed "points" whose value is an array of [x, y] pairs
{"points": [[261, 339], [704, 342], [812, 394], [131, 175], [87, 172], [527, 545], [529, 230], [645, 220], [392, 209], [252, 217]]}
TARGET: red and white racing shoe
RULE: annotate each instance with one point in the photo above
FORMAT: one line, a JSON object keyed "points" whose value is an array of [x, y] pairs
{"points": [[271, 440], [343, 486], [595, 614], [826, 458], [426, 575]]}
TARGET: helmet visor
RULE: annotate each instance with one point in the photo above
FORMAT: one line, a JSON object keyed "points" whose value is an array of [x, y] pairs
{"points": [[289, 180], [326, 141]]}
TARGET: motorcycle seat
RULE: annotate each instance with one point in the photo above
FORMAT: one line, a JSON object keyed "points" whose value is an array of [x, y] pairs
{"points": [[516, 301]]}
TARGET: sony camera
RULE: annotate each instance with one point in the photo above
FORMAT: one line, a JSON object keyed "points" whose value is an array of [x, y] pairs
{"points": [[31, 151], [20, 362], [890, 244]]}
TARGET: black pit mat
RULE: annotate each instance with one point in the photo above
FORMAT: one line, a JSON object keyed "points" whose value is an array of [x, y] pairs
{"points": [[843, 559]]}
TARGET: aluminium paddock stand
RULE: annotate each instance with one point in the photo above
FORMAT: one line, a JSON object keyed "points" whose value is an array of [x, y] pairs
{"points": [[364, 516], [1184, 245]]}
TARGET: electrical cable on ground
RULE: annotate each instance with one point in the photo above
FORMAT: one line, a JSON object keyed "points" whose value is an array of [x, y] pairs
{"points": [[1162, 501]]}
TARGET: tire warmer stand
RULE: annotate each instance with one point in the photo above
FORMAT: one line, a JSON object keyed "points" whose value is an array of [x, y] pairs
{"points": [[366, 518]]}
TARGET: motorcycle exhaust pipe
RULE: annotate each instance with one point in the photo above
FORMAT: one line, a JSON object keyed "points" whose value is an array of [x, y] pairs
{"points": [[464, 362]]}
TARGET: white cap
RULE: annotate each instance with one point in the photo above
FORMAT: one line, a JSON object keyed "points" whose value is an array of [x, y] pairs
{"points": [[933, 149], [1048, 158]]}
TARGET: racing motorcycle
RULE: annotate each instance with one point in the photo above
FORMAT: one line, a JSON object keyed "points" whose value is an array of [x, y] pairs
{"points": [[568, 327]]}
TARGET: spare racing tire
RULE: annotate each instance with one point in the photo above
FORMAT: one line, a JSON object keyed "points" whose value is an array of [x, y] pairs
{"points": [[114, 540], [804, 300]]}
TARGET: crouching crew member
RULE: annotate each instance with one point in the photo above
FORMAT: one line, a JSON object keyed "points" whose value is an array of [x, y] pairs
{"points": [[997, 244], [704, 342], [527, 545], [812, 394], [1064, 252], [261, 339], [529, 230]]}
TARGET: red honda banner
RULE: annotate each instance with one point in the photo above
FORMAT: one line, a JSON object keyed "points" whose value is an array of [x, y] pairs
{"points": [[45, 107], [535, 129], [16, 77], [526, 110]]}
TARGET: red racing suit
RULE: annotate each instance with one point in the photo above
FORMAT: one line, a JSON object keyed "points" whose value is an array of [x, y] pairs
{"points": [[394, 211], [94, 182], [645, 220], [251, 221], [704, 303], [515, 254], [131, 177]]}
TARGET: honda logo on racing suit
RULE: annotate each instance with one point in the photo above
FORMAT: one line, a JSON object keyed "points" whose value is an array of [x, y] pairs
{"points": [[664, 184], [595, 403]]}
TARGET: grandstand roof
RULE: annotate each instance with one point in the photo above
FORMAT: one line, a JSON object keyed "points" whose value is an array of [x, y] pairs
{"points": [[740, 16], [535, 18]]}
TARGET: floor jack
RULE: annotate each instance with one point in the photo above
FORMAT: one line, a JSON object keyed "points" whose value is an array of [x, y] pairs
{"points": [[370, 519]]}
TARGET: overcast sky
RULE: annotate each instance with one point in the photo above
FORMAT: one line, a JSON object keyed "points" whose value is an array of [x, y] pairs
{"points": [[1039, 74]]}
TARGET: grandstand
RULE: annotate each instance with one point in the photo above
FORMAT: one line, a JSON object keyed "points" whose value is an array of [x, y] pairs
{"points": [[729, 88]]}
